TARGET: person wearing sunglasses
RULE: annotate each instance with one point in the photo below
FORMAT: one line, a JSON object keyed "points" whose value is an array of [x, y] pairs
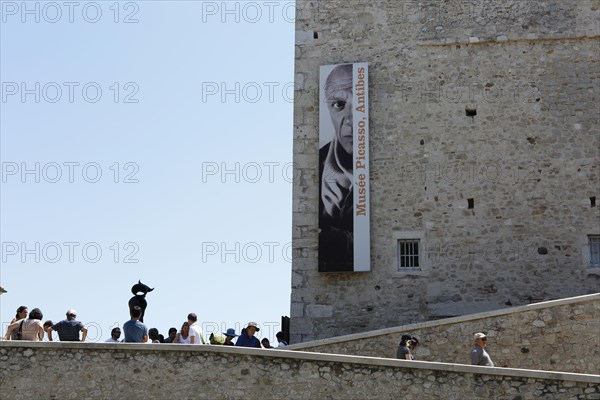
{"points": [[115, 334], [478, 354]]}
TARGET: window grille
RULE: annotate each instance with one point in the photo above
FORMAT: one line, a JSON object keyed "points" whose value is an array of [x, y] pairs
{"points": [[408, 254]]}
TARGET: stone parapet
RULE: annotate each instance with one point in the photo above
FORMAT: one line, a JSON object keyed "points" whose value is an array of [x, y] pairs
{"points": [[107, 371], [559, 335]]}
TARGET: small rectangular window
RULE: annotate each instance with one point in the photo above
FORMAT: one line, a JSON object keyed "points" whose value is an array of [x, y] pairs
{"points": [[408, 254], [594, 241]]}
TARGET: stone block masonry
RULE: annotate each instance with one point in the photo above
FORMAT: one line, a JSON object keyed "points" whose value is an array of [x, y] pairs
{"points": [[484, 139], [127, 371], [560, 335]]}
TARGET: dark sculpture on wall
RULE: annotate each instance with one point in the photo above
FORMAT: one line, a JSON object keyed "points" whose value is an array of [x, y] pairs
{"points": [[139, 291]]}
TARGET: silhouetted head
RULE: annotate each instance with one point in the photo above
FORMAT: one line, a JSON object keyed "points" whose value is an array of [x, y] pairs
{"points": [[36, 313], [136, 312], [153, 334]]}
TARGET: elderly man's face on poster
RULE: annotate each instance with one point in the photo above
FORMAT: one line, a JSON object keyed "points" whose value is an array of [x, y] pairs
{"points": [[344, 236], [338, 92]]}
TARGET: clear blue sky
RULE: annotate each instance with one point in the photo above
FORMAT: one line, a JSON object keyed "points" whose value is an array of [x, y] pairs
{"points": [[192, 136]]}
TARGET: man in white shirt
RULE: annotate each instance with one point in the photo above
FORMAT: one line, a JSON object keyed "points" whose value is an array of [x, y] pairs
{"points": [[115, 334], [196, 336]]}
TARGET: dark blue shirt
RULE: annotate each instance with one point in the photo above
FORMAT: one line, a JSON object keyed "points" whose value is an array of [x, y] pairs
{"points": [[245, 341], [68, 330]]}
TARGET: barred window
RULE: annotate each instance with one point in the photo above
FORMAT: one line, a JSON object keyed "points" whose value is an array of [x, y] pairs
{"points": [[408, 254], [594, 241]]}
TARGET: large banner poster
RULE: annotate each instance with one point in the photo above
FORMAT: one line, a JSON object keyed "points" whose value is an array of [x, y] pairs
{"points": [[344, 230]]}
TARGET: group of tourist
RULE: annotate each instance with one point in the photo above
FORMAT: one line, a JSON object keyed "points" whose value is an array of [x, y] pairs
{"points": [[408, 344], [191, 333], [28, 326]]}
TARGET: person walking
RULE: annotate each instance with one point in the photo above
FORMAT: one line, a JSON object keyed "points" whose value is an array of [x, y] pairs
{"points": [[403, 352], [478, 354]]}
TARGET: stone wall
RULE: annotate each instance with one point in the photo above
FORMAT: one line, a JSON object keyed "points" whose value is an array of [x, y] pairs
{"points": [[529, 71], [111, 371], [561, 335]]}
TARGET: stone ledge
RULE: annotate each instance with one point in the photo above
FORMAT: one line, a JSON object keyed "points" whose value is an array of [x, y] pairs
{"points": [[134, 348], [501, 39], [447, 321]]}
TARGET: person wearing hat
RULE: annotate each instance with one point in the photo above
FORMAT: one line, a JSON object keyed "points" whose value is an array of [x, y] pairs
{"points": [[68, 329], [403, 351], [229, 336], [247, 338], [478, 354], [413, 343]]}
